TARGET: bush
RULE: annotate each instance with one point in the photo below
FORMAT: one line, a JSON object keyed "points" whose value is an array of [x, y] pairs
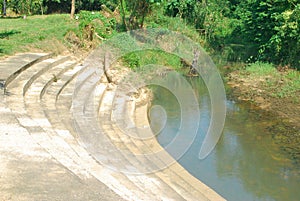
{"points": [[95, 22]]}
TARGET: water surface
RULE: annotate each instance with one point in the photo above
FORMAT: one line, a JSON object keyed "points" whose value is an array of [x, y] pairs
{"points": [[246, 164]]}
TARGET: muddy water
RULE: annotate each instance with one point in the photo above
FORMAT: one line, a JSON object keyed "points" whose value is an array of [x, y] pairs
{"points": [[247, 164]]}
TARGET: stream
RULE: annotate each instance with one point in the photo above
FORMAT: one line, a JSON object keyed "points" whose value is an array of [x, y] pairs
{"points": [[246, 164]]}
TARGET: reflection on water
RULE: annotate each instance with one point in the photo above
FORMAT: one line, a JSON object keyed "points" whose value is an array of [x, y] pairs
{"points": [[246, 163]]}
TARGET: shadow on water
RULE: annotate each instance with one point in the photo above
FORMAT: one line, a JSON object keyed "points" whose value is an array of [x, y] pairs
{"points": [[247, 163]]}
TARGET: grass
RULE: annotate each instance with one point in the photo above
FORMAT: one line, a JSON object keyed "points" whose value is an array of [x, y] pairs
{"points": [[261, 69], [278, 84], [45, 33], [137, 60]]}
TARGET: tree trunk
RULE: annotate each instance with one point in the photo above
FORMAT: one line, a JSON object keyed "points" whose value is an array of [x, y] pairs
{"points": [[41, 5], [72, 9], [4, 8], [123, 14]]}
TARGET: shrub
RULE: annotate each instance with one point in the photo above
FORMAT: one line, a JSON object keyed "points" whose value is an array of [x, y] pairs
{"points": [[97, 23]]}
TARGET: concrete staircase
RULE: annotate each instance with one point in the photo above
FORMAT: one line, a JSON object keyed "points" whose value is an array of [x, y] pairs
{"points": [[72, 116]]}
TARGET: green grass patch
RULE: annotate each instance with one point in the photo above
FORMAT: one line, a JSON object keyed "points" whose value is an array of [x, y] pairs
{"points": [[140, 59], [261, 69], [291, 85], [278, 84], [19, 35]]}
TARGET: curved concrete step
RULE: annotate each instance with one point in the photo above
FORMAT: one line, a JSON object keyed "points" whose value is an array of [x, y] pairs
{"points": [[28, 172], [42, 131], [137, 146], [27, 76], [54, 63], [11, 67], [81, 157], [56, 111], [18, 87], [86, 109], [80, 111], [33, 120], [46, 104], [151, 185], [124, 143]]}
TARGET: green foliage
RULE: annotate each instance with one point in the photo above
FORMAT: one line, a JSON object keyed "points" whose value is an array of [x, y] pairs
{"points": [[176, 24], [291, 88], [272, 30], [1, 7], [95, 5], [132, 60], [138, 60], [261, 69], [212, 20], [137, 10], [27, 7], [103, 26], [192, 10], [236, 30], [250, 30]]}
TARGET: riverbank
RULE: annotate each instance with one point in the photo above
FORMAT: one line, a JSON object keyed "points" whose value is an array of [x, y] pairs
{"points": [[275, 93]]}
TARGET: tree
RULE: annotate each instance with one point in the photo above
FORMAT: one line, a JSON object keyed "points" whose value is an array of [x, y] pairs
{"points": [[72, 9], [4, 8], [272, 28], [138, 10]]}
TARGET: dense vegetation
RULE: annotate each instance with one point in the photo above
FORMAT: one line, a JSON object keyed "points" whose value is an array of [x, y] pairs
{"points": [[238, 30]]}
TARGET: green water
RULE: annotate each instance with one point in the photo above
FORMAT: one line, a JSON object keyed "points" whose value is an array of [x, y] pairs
{"points": [[247, 164]]}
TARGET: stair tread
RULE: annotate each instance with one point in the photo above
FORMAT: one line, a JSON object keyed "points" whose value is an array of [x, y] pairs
{"points": [[12, 64]]}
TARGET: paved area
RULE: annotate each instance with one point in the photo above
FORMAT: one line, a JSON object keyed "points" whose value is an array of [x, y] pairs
{"points": [[59, 139], [29, 172], [20, 62]]}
